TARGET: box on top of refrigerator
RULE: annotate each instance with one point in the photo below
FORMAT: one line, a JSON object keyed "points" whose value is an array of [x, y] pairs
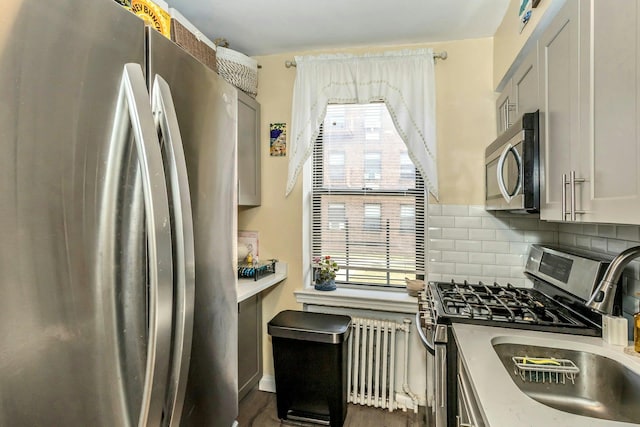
{"points": [[152, 14]]}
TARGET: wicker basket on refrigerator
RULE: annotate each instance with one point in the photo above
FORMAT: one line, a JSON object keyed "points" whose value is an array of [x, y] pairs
{"points": [[238, 69]]}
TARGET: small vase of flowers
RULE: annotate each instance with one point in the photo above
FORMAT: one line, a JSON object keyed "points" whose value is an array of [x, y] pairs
{"points": [[324, 273]]}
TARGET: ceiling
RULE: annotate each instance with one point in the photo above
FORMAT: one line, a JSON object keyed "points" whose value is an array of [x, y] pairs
{"points": [[258, 27]]}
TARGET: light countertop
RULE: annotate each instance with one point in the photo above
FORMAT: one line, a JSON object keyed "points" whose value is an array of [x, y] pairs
{"points": [[249, 287], [503, 403]]}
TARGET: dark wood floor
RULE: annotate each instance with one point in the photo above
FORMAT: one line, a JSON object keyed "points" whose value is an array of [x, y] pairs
{"points": [[258, 409]]}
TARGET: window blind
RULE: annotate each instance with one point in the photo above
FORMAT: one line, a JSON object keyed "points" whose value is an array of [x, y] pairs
{"points": [[368, 198]]}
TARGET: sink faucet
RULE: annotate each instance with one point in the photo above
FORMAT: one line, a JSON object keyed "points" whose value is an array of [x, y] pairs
{"points": [[603, 296]]}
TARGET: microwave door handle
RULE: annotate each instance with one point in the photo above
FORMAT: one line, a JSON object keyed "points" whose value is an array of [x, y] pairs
{"points": [[501, 184]]}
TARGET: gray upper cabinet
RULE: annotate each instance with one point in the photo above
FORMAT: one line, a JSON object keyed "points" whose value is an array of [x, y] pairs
{"points": [[525, 85], [505, 108], [520, 93], [249, 157], [560, 110], [590, 62]]}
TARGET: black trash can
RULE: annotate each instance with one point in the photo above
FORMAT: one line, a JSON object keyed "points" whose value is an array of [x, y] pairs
{"points": [[310, 362]]}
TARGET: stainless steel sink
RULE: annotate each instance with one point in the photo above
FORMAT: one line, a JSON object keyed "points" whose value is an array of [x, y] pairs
{"points": [[604, 388]]}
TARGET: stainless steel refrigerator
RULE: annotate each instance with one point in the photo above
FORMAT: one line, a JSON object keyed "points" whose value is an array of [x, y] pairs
{"points": [[117, 224]]}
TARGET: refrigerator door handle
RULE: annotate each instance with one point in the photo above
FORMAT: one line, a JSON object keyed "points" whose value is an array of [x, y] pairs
{"points": [[166, 121], [134, 117]]}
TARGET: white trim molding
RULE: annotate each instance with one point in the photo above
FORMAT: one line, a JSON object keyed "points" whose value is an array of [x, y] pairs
{"points": [[397, 302]]}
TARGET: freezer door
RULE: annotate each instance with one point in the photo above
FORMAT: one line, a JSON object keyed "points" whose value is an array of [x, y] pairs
{"points": [[80, 321], [206, 109]]}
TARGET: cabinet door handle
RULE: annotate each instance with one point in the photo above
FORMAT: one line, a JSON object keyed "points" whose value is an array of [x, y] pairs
{"points": [[564, 196], [572, 182]]}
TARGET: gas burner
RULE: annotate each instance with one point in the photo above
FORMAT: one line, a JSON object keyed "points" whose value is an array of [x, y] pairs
{"points": [[479, 303]]}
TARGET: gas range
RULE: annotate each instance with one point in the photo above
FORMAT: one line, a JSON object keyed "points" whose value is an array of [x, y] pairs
{"points": [[563, 280], [504, 306]]}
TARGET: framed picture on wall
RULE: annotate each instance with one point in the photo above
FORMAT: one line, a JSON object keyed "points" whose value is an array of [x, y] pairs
{"points": [[524, 12], [278, 139]]}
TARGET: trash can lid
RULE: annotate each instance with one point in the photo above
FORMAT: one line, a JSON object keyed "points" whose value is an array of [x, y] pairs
{"points": [[307, 326]]}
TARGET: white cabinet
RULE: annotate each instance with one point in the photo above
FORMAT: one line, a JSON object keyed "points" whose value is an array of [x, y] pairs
{"points": [[590, 88], [560, 110], [249, 180], [520, 93]]}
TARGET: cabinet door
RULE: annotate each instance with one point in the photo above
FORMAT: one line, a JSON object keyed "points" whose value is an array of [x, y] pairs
{"points": [[613, 112], [249, 344], [505, 108], [249, 191], [525, 85], [558, 50]]}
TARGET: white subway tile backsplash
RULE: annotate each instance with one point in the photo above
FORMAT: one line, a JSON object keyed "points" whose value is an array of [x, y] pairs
{"points": [[442, 221], [496, 247], [524, 224], [510, 259], [435, 277], [572, 228], [495, 270], [441, 244], [469, 269], [583, 242], [510, 235], [442, 267], [452, 256], [519, 248], [628, 232], [495, 223], [599, 244], [435, 255], [434, 209], [606, 230], [455, 233], [547, 226], [482, 258], [455, 210], [589, 229], [482, 234], [435, 233], [516, 271], [568, 239], [469, 245], [540, 236], [478, 211], [616, 246], [468, 222]]}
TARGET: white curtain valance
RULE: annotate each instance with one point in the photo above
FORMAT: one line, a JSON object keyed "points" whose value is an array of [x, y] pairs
{"points": [[404, 80]]}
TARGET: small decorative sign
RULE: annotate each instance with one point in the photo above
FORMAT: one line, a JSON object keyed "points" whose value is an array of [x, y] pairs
{"points": [[278, 139], [248, 246]]}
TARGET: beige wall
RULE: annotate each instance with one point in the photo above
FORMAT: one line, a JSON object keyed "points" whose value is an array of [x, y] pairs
{"points": [[466, 124], [508, 40]]}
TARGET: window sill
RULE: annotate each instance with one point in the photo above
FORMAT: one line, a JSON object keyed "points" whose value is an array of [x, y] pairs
{"points": [[397, 302]]}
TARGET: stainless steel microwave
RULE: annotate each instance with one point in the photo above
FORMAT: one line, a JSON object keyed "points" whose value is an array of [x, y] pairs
{"points": [[512, 168]]}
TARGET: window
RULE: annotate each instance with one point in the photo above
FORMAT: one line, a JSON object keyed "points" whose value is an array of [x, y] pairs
{"points": [[407, 218], [407, 168], [372, 216], [371, 223], [336, 216], [372, 166], [336, 165]]}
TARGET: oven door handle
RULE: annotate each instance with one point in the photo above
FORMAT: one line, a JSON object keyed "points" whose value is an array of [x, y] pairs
{"points": [[423, 337], [501, 184]]}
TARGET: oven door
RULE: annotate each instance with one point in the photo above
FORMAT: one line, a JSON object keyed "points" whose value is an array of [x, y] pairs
{"points": [[504, 175], [435, 340]]}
